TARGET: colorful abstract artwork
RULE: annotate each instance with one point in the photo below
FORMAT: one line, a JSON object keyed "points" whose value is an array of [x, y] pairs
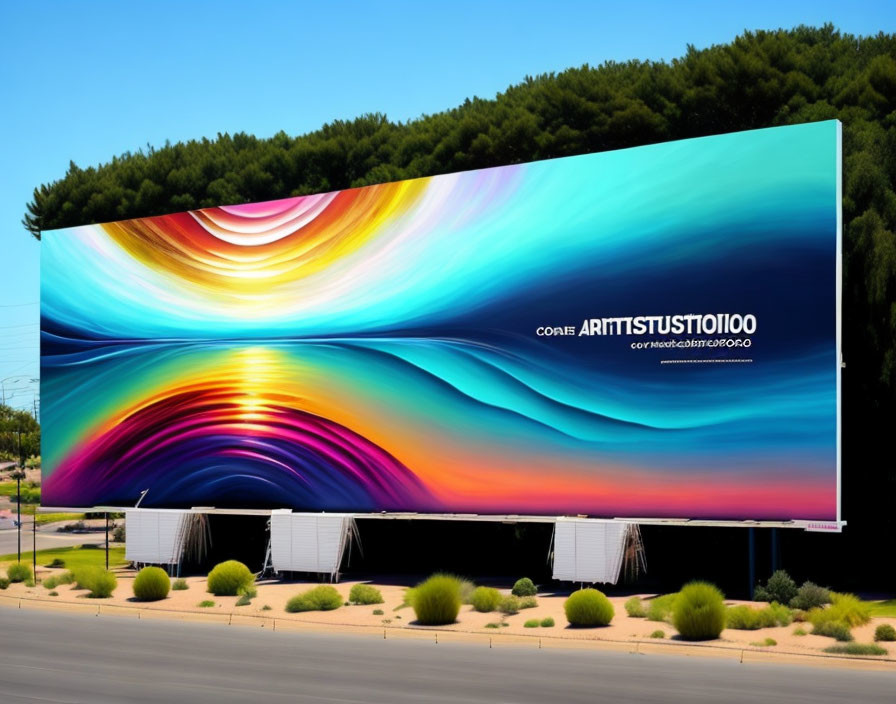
{"points": [[649, 332]]}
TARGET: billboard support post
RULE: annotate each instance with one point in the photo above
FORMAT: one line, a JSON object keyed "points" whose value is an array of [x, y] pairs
{"points": [[107, 539], [751, 540]]}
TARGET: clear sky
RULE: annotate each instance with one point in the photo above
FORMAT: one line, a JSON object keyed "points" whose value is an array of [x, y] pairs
{"points": [[83, 81]]}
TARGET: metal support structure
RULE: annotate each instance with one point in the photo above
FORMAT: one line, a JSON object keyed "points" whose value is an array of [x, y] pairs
{"points": [[775, 560], [19, 512], [751, 537], [107, 539], [34, 543]]}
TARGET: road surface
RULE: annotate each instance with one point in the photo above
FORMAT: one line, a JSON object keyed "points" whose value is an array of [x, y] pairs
{"points": [[47, 537], [57, 657]]}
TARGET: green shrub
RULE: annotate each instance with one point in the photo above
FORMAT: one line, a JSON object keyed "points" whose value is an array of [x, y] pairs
{"points": [[29, 582], [322, 598], [54, 593], [776, 614], [266, 607], [849, 609], [809, 596], [437, 600], [742, 618], [365, 594], [492, 625], [856, 649], [531, 623], [660, 607], [377, 612], [485, 599], [799, 615], [547, 622], [57, 562], [833, 629], [244, 600], [250, 591], [227, 577], [885, 632], [50, 582], [206, 604], [4, 583], [528, 602], [699, 612], [466, 590], [658, 634], [179, 585], [588, 607], [509, 605], [66, 578], [780, 587], [799, 631], [767, 643], [19, 572], [100, 582], [634, 607], [524, 587], [151, 584]]}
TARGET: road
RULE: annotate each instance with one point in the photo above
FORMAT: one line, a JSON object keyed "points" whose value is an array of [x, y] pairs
{"points": [[56, 657], [47, 537]]}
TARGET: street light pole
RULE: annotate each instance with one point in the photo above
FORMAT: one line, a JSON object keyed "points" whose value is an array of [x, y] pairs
{"points": [[19, 511]]}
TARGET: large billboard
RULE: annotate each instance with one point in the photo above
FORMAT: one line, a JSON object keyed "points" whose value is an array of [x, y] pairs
{"points": [[651, 332]]}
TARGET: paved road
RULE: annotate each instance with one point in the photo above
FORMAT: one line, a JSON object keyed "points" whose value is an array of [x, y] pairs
{"points": [[50, 657], [46, 538]]}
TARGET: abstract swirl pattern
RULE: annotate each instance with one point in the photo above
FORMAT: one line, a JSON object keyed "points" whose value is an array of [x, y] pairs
{"points": [[376, 349]]}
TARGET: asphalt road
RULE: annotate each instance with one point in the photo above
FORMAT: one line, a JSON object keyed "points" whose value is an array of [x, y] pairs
{"points": [[55, 657], [47, 537]]}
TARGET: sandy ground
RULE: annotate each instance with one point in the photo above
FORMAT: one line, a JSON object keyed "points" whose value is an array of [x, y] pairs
{"points": [[397, 620]]}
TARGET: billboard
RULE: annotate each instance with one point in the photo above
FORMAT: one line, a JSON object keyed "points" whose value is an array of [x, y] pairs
{"points": [[650, 332]]}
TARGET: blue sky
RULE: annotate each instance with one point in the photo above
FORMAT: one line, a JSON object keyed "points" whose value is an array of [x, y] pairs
{"points": [[88, 80]]}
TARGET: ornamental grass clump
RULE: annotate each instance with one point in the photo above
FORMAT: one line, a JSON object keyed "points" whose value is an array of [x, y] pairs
{"points": [[437, 600], [509, 605], [856, 649], [587, 608], [885, 632], [485, 599], [524, 587], [151, 584], [322, 598], [19, 572], [634, 607], [101, 583], [660, 607], [699, 612], [228, 577], [365, 594], [837, 630]]}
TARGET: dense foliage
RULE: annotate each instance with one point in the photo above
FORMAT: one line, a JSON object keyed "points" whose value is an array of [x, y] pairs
{"points": [[437, 600], [151, 584], [524, 587], [780, 587], [322, 598], [19, 435], [760, 79], [486, 599], [227, 578], [365, 594], [588, 607], [699, 611]]}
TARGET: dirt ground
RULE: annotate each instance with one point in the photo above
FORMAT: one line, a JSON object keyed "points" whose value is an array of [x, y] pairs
{"points": [[397, 620]]}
